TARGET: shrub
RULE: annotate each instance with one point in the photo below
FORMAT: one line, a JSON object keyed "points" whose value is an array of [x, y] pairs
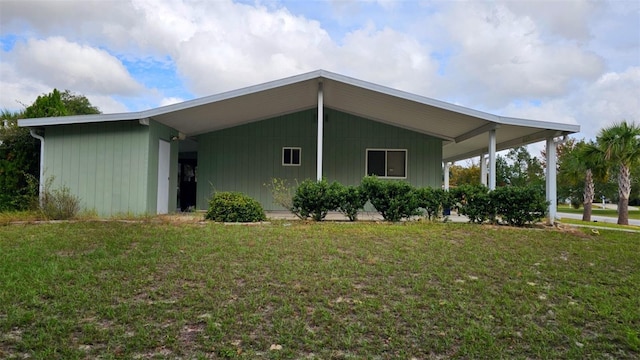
{"points": [[234, 207], [474, 202], [282, 194], [519, 205], [58, 204], [316, 199], [433, 201], [394, 200], [351, 199]]}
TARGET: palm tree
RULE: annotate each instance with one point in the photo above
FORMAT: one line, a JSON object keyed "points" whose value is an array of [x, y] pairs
{"points": [[583, 162], [620, 145], [594, 165]]}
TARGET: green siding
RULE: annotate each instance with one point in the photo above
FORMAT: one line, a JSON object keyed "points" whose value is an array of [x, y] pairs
{"points": [[105, 164], [245, 157], [346, 138], [159, 132]]}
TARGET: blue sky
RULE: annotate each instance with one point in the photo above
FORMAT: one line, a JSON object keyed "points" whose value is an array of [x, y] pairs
{"points": [[562, 61]]}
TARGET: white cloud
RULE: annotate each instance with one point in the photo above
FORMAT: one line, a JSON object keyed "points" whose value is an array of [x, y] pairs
{"points": [[568, 61], [569, 19], [501, 56], [388, 57], [611, 98], [68, 65], [243, 45]]}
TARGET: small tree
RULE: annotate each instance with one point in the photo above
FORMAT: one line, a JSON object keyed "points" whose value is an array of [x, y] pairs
{"points": [[620, 145]]}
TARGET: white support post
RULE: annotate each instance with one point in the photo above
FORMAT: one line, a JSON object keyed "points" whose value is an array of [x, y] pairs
{"points": [[483, 170], [446, 175], [492, 159], [320, 132], [551, 180]]}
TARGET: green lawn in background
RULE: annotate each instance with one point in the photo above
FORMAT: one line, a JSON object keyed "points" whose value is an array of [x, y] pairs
{"points": [[633, 214], [306, 290]]}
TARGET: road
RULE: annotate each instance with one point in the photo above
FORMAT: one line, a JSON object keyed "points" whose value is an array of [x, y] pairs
{"points": [[596, 218]]}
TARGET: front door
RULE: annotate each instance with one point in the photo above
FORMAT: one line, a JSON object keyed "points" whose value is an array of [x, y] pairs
{"points": [[164, 161]]}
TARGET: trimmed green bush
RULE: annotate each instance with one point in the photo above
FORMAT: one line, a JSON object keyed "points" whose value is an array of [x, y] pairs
{"points": [[474, 202], [316, 198], [433, 201], [351, 199], [394, 200], [234, 207], [519, 205]]}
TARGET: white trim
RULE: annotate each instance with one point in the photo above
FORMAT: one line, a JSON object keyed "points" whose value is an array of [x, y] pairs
{"points": [[492, 159], [292, 148], [406, 162], [551, 184], [320, 131]]}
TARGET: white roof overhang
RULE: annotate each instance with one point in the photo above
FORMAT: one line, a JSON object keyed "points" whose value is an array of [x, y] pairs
{"points": [[464, 131]]}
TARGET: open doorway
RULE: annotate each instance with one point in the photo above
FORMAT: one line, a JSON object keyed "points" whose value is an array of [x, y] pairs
{"points": [[187, 174]]}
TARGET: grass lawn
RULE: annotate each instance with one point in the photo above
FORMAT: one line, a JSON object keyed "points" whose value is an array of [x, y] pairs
{"points": [[600, 224], [633, 214], [330, 290]]}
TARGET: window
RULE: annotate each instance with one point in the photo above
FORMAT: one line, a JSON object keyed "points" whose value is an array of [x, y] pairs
{"points": [[387, 163], [291, 156]]}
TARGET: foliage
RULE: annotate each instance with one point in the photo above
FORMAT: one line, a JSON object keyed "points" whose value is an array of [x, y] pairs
{"points": [[234, 207], [433, 201], [282, 194], [519, 168], [18, 164], [316, 199], [519, 205], [394, 200], [619, 144], [58, 203], [77, 104], [581, 167], [474, 202], [351, 199], [461, 175]]}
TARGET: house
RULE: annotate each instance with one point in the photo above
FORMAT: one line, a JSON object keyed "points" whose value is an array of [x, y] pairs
{"points": [[314, 125]]}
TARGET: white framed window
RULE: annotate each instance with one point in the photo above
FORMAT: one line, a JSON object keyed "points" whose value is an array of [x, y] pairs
{"points": [[387, 163], [291, 156]]}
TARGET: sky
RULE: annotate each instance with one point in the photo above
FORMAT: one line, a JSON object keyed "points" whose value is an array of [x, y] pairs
{"points": [[564, 61]]}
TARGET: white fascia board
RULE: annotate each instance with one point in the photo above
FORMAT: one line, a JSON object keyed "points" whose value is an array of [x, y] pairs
{"points": [[64, 120], [573, 128]]}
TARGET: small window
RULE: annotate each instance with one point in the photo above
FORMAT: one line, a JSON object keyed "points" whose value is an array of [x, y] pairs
{"points": [[291, 156], [387, 163]]}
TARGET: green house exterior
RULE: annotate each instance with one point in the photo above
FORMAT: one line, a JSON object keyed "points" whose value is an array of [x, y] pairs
{"points": [[111, 166], [309, 126], [246, 157]]}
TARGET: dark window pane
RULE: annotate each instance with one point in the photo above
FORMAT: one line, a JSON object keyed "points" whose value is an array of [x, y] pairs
{"points": [[375, 162], [396, 163], [296, 156], [287, 157]]}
